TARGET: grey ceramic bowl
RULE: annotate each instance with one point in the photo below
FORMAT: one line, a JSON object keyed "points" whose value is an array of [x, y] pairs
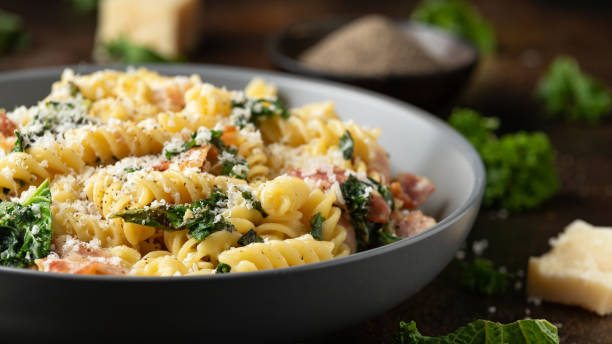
{"points": [[285, 304]]}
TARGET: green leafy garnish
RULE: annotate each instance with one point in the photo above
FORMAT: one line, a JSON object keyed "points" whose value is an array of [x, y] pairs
{"points": [[251, 110], [520, 167], [530, 331], [347, 145], [25, 229], [131, 169], [223, 268], [230, 163], [460, 18], [201, 218], [567, 92], [12, 32], [249, 238], [85, 6], [255, 203], [480, 276], [125, 51], [316, 226], [384, 192], [55, 118], [18, 143], [356, 195], [233, 166]]}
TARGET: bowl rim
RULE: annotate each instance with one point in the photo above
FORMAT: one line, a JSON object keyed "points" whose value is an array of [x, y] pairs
{"points": [[293, 65], [456, 139]]}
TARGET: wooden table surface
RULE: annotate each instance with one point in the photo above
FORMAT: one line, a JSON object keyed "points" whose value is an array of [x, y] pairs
{"points": [[529, 34]]}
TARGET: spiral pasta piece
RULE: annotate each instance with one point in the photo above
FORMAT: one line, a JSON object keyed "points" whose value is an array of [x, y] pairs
{"points": [[277, 254], [323, 203], [72, 219]]}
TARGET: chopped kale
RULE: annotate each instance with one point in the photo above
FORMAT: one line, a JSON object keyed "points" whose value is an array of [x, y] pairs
{"points": [[255, 203], [347, 145], [357, 197], [124, 51], [316, 226], [249, 238], [567, 92], [131, 169], [201, 218], [233, 166], [85, 6], [25, 229], [521, 171], [528, 331], [18, 143], [251, 110], [12, 32], [385, 193], [230, 164], [383, 237], [480, 276], [223, 268], [55, 117], [460, 18]]}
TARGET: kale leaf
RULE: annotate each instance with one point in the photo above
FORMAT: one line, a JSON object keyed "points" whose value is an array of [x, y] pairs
{"points": [[249, 238], [54, 117], [567, 92], [230, 163], [223, 268], [124, 51], [18, 143], [480, 276], [201, 217], [347, 145], [520, 167], [356, 195], [460, 18], [251, 110], [85, 6], [25, 229], [12, 32], [530, 331], [316, 226], [255, 203]]}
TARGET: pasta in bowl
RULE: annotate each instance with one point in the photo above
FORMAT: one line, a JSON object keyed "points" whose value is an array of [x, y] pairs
{"points": [[137, 173]]}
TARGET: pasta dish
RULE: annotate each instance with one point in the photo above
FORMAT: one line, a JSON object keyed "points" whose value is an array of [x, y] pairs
{"points": [[136, 173]]}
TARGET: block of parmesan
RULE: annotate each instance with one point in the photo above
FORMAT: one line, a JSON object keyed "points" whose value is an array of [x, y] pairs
{"points": [[578, 269], [168, 27]]}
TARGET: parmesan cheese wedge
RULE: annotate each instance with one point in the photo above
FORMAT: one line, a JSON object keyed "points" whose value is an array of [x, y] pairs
{"points": [[168, 27], [578, 269]]}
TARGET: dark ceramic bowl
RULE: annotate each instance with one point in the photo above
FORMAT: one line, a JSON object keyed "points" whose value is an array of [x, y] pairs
{"points": [[275, 305], [434, 90]]}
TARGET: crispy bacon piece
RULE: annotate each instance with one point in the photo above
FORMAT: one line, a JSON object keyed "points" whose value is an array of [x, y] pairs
{"points": [[412, 190], [7, 127], [407, 224], [381, 164], [195, 157], [379, 209], [324, 179], [230, 135], [162, 166], [350, 240], [80, 258]]}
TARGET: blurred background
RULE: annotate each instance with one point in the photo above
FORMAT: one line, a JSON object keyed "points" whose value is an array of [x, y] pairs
{"points": [[529, 34], [501, 81]]}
